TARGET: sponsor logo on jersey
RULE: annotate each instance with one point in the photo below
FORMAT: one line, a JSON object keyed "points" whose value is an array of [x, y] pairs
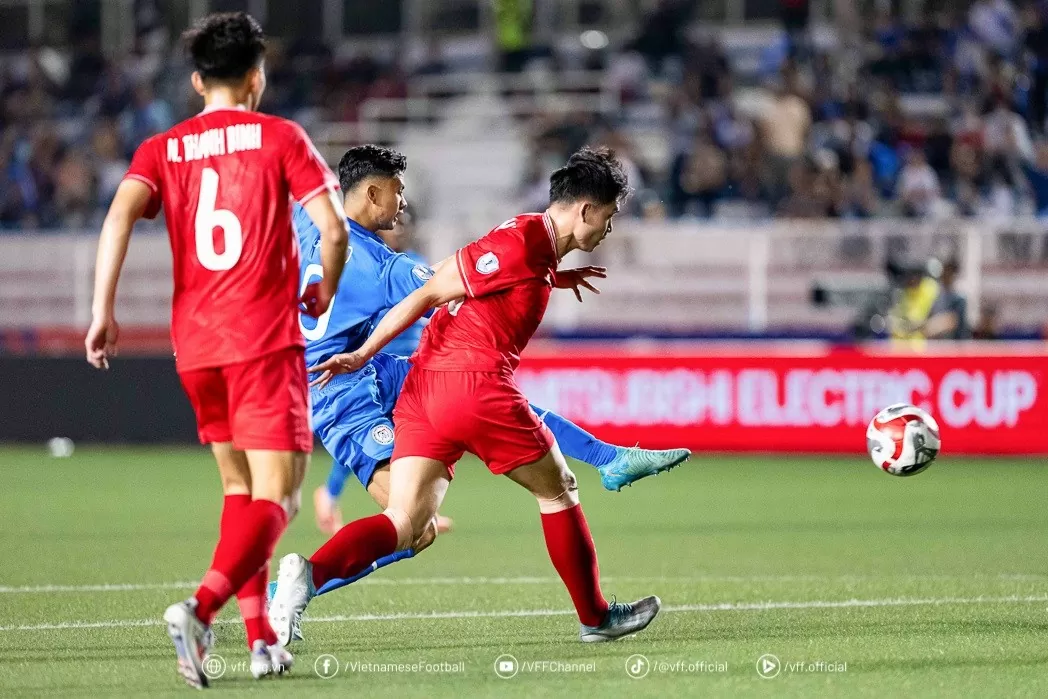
{"points": [[488, 263], [382, 434], [422, 272]]}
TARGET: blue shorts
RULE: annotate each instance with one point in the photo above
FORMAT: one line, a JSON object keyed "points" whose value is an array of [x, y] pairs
{"points": [[353, 414]]}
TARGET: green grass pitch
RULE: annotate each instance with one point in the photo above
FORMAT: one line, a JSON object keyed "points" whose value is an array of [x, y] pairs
{"points": [[927, 586]]}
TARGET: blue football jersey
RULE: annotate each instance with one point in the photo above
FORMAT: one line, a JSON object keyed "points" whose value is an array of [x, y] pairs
{"points": [[406, 342], [373, 281]]}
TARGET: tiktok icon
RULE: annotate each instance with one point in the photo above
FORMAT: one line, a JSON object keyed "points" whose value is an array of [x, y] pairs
{"points": [[637, 666]]}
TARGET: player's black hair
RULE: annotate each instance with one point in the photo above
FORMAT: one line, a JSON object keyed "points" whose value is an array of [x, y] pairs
{"points": [[591, 173], [225, 46], [362, 162]]}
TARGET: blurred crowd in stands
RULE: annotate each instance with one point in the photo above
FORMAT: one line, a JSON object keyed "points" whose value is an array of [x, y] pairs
{"points": [[941, 117]]}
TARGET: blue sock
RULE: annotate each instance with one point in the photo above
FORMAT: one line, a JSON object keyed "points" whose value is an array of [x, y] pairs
{"points": [[577, 442], [380, 563], [337, 478]]}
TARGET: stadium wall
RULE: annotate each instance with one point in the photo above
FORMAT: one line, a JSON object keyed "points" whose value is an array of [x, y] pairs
{"points": [[139, 400], [745, 397]]}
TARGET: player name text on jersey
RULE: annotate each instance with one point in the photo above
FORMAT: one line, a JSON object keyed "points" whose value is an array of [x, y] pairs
{"points": [[222, 141]]}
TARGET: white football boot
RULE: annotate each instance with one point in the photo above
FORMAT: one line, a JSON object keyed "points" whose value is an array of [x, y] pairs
{"points": [[294, 591], [190, 637], [269, 660]]}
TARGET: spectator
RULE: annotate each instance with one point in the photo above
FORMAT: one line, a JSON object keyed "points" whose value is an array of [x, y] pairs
{"points": [[948, 318], [861, 199], [1036, 44], [75, 199], [915, 299], [918, 185], [513, 34], [115, 95], [146, 116], [660, 33], [784, 127], [995, 24], [805, 199], [701, 181], [1005, 132], [794, 14], [110, 164], [986, 327], [1037, 177]]}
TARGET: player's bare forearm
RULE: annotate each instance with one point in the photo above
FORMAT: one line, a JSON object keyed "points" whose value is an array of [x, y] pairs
{"points": [[400, 318], [128, 206], [445, 285], [326, 213]]}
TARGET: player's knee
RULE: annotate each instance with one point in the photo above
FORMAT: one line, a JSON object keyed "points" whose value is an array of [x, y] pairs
{"points": [[402, 523], [565, 499], [293, 504]]}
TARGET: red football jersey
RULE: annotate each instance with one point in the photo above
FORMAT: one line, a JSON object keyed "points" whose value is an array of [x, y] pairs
{"points": [[508, 275], [226, 179]]}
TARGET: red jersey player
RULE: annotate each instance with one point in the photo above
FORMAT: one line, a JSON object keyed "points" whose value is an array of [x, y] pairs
{"points": [[460, 396], [226, 179]]}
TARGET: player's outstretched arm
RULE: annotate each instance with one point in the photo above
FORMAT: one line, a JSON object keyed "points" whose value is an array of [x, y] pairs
{"points": [[325, 212], [446, 285], [129, 205]]}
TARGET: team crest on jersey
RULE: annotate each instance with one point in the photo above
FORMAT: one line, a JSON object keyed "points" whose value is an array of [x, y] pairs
{"points": [[382, 434], [488, 263], [422, 272]]}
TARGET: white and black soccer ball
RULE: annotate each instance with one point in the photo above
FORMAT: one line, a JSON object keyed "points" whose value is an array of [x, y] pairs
{"points": [[903, 440]]}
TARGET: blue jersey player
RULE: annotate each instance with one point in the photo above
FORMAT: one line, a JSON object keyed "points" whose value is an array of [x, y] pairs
{"points": [[352, 414]]}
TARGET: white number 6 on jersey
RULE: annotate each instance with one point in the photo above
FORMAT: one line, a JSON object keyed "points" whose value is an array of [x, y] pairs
{"points": [[208, 218]]}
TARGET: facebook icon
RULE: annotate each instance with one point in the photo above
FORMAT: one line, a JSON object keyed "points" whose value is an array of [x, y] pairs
{"points": [[326, 666]]}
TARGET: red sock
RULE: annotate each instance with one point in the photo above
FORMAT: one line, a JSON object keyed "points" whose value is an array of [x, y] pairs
{"points": [[571, 549], [252, 600], [353, 548], [233, 507], [241, 552], [252, 596]]}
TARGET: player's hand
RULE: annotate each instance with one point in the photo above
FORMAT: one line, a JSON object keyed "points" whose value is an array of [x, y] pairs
{"points": [[575, 279], [328, 513], [315, 300], [338, 364], [100, 342]]}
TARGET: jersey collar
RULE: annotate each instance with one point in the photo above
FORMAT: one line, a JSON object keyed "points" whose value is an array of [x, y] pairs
{"points": [[208, 110], [360, 230]]}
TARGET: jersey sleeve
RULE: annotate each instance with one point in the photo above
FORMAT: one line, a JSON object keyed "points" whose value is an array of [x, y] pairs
{"points": [[303, 227], [496, 262], [403, 275], [145, 168], [306, 172]]}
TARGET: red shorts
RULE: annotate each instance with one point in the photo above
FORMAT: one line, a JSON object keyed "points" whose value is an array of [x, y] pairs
{"points": [[442, 414], [259, 404]]}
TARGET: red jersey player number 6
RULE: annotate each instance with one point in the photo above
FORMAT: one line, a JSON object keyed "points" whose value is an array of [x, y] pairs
{"points": [[226, 180]]}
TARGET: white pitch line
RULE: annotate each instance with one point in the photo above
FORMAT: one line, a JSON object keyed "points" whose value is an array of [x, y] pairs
{"points": [[114, 587], [537, 580], [715, 607]]}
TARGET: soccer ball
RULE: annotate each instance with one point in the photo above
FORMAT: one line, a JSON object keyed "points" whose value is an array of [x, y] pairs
{"points": [[903, 440]]}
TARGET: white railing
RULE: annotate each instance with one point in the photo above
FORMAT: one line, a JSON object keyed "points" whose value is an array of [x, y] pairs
{"points": [[477, 97], [667, 276]]}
